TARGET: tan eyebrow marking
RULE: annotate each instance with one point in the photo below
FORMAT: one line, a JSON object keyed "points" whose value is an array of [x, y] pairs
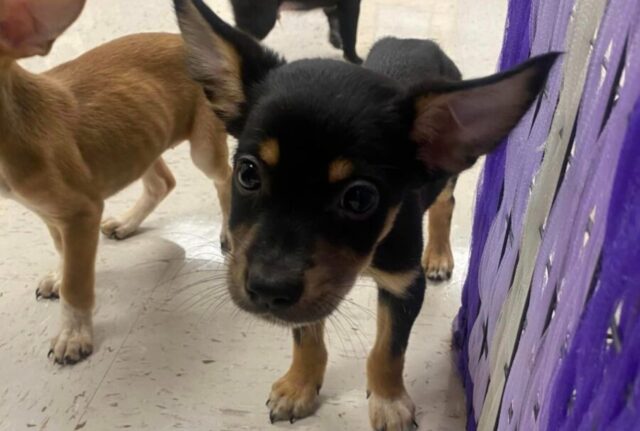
{"points": [[340, 169], [270, 152]]}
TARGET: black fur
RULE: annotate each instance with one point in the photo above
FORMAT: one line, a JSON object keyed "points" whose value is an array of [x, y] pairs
{"points": [[258, 17]]}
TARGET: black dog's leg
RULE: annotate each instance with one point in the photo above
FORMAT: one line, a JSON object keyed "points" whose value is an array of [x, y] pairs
{"points": [[390, 407], [348, 15], [334, 26], [256, 17]]}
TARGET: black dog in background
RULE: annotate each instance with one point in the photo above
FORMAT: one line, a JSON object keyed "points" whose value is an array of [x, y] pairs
{"points": [[258, 17]]}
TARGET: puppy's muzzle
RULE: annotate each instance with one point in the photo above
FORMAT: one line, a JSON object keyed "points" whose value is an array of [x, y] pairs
{"points": [[272, 294]]}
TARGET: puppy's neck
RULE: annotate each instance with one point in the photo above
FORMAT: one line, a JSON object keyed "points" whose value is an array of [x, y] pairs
{"points": [[20, 92]]}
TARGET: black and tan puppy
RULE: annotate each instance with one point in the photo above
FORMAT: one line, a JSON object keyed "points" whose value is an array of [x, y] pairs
{"points": [[258, 17], [335, 167]]}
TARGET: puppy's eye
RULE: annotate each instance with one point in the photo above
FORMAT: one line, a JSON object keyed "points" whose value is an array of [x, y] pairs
{"points": [[248, 175], [359, 199]]}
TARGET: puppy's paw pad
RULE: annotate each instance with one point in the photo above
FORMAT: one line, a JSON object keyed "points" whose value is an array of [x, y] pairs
{"points": [[292, 399], [49, 286], [396, 414], [438, 265], [74, 342], [117, 229]]}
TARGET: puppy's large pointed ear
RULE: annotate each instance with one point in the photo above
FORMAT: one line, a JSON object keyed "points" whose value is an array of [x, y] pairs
{"points": [[224, 60], [29, 27], [456, 125]]}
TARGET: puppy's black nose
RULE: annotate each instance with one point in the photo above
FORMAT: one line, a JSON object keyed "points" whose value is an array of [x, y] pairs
{"points": [[273, 294]]}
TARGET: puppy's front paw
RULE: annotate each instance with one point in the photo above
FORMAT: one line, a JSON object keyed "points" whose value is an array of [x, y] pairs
{"points": [[396, 414], [74, 342], [117, 229], [438, 262], [49, 286], [353, 58], [292, 398]]}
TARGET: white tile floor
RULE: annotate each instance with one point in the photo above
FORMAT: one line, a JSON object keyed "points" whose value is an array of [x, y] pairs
{"points": [[169, 353]]}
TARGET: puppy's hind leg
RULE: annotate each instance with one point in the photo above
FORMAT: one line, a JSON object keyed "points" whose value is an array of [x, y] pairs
{"points": [[438, 259], [210, 154], [158, 181], [334, 26]]}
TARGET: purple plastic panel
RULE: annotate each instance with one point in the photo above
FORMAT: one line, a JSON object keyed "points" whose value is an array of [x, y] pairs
{"points": [[516, 48], [585, 291]]}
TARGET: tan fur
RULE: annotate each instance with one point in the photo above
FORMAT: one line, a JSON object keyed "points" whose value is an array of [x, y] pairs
{"points": [[340, 170], [393, 282], [437, 259], [270, 152], [384, 371], [77, 134], [388, 223], [295, 394]]}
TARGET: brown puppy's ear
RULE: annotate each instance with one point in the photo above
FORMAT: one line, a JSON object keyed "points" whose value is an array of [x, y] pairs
{"points": [[224, 60], [453, 128], [29, 27]]}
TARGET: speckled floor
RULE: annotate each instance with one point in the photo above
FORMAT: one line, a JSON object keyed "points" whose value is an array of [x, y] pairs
{"points": [[171, 352]]}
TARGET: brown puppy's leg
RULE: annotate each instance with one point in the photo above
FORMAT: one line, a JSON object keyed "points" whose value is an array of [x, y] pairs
{"points": [[438, 259], [295, 395], [157, 181], [49, 285], [390, 407], [80, 242], [210, 154]]}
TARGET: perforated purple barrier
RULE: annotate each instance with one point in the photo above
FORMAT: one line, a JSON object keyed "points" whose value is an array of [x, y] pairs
{"points": [[552, 299]]}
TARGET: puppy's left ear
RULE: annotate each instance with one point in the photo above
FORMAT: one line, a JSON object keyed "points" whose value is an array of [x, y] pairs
{"points": [[225, 61], [453, 128]]}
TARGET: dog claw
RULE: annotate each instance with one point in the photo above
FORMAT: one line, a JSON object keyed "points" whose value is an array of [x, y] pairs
{"points": [[368, 394], [267, 403], [272, 418], [50, 353], [292, 420], [415, 424]]}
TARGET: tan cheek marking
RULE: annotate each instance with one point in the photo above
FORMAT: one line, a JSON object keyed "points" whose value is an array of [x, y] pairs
{"points": [[395, 283], [389, 222], [384, 370], [335, 270], [339, 170], [270, 152], [241, 239]]}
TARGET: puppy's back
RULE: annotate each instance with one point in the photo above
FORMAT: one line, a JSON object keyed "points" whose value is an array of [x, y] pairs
{"points": [[411, 61]]}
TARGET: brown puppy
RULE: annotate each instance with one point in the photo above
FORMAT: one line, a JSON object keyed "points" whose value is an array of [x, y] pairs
{"points": [[75, 135]]}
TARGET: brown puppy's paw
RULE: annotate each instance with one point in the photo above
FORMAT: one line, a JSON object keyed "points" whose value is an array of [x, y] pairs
{"points": [[438, 262], [396, 414], [49, 286], [117, 229], [292, 398], [74, 342]]}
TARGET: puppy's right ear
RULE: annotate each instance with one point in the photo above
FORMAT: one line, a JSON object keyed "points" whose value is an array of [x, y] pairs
{"points": [[225, 61]]}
